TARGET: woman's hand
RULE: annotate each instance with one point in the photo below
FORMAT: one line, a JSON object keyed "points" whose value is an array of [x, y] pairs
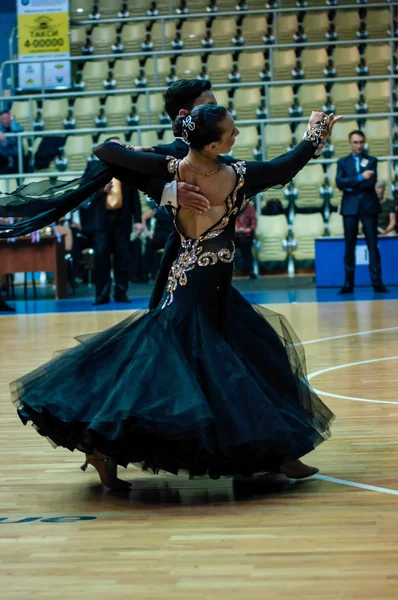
{"points": [[329, 120]]}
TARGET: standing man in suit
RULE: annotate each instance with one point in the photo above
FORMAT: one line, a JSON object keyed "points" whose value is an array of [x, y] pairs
{"points": [[109, 219], [356, 177]]}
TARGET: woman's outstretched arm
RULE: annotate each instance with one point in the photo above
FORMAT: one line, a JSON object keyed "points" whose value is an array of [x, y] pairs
{"points": [[145, 163]]}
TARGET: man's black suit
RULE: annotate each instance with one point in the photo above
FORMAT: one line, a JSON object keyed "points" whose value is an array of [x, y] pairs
{"points": [[110, 231], [359, 203]]}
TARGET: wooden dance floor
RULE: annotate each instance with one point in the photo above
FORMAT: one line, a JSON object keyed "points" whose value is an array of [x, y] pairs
{"points": [[333, 537]]}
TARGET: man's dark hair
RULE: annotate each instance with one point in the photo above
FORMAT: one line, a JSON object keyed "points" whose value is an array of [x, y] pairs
{"points": [[5, 112], [204, 126], [183, 94], [110, 139], [356, 132]]}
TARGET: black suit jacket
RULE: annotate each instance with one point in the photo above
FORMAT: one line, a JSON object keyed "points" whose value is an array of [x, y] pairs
{"points": [[357, 194], [92, 215]]}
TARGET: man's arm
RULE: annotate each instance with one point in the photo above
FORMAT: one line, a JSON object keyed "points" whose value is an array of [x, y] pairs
{"points": [[342, 180]]}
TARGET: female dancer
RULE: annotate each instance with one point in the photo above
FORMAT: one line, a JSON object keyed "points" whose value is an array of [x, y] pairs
{"points": [[205, 383]]}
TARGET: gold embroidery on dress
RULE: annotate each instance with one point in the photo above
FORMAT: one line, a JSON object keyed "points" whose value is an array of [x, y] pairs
{"points": [[192, 251]]}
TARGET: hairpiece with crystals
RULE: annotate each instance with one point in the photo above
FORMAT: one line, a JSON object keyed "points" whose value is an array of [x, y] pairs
{"points": [[187, 125]]}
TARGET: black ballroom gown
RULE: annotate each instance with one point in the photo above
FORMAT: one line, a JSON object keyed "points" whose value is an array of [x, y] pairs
{"points": [[204, 383]]}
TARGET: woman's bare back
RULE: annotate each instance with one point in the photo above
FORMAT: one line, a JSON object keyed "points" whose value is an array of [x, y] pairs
{"points": [[216, 189]]}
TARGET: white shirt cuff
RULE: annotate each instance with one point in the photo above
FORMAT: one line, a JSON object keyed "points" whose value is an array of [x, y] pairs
{"points": [[169, 196]]}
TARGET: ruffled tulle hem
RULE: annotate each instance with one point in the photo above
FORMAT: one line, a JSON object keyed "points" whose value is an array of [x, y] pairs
{"points": [[171, 393]]}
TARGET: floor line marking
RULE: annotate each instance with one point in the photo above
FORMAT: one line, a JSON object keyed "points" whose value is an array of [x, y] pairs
{"points": [[353, 398], [363, 486], [346, 335]]}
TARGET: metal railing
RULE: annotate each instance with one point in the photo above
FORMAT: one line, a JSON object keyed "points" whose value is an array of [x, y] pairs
{"points": [[260, 123]]}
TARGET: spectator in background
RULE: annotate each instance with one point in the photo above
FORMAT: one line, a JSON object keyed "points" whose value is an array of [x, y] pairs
{"points": [[8, 145], [356, 177], [272, 208], [387, 216], [245, 226], [108, 219]]}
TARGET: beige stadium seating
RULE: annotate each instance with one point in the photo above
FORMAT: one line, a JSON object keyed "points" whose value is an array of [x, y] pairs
{"points": [[54, 112], [223, 31], [345, 97], [139, 8], [157, 71], [85, 110], [78, 39], [378, 136], [221, 97], [286, 26], [377, 94], [254, 29], [149, 138], [125, 72], [306, 228], [103, 38], [316, 25], [277, 140], [80, 9], [345, 60], [378, 58], [21, 111], [335, 200], [251, 65], [78, 148], [271, 231], [94, 73], [280, 100], [347, 23], [378, 22], [246, 143], [109, 8], [275, 194], [156, 108], [193, 32], [336, 226], [133, 35], [311, 95], [163, 34], [7, 185], [168, 137], [314, 61], [308, 182], [218, 67], [188, 66], [117, 109], [284, 61], [340, 137], [246, 102]]}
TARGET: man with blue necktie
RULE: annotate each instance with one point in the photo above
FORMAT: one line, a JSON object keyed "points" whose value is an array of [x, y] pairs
{"points": [[356, 177]]}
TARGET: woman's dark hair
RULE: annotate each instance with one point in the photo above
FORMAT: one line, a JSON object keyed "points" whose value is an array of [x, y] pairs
{"points": [[183, 94], [201, 126]]}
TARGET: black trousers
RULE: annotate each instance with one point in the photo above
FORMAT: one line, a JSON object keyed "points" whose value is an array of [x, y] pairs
{"points": [[369, 226], [245, 243], [112, 241]]}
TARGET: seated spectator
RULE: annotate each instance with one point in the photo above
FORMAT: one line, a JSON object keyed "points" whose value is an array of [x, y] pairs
{"points": [[8, 145], [272, 208], [245, 226], [387, 217]]}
